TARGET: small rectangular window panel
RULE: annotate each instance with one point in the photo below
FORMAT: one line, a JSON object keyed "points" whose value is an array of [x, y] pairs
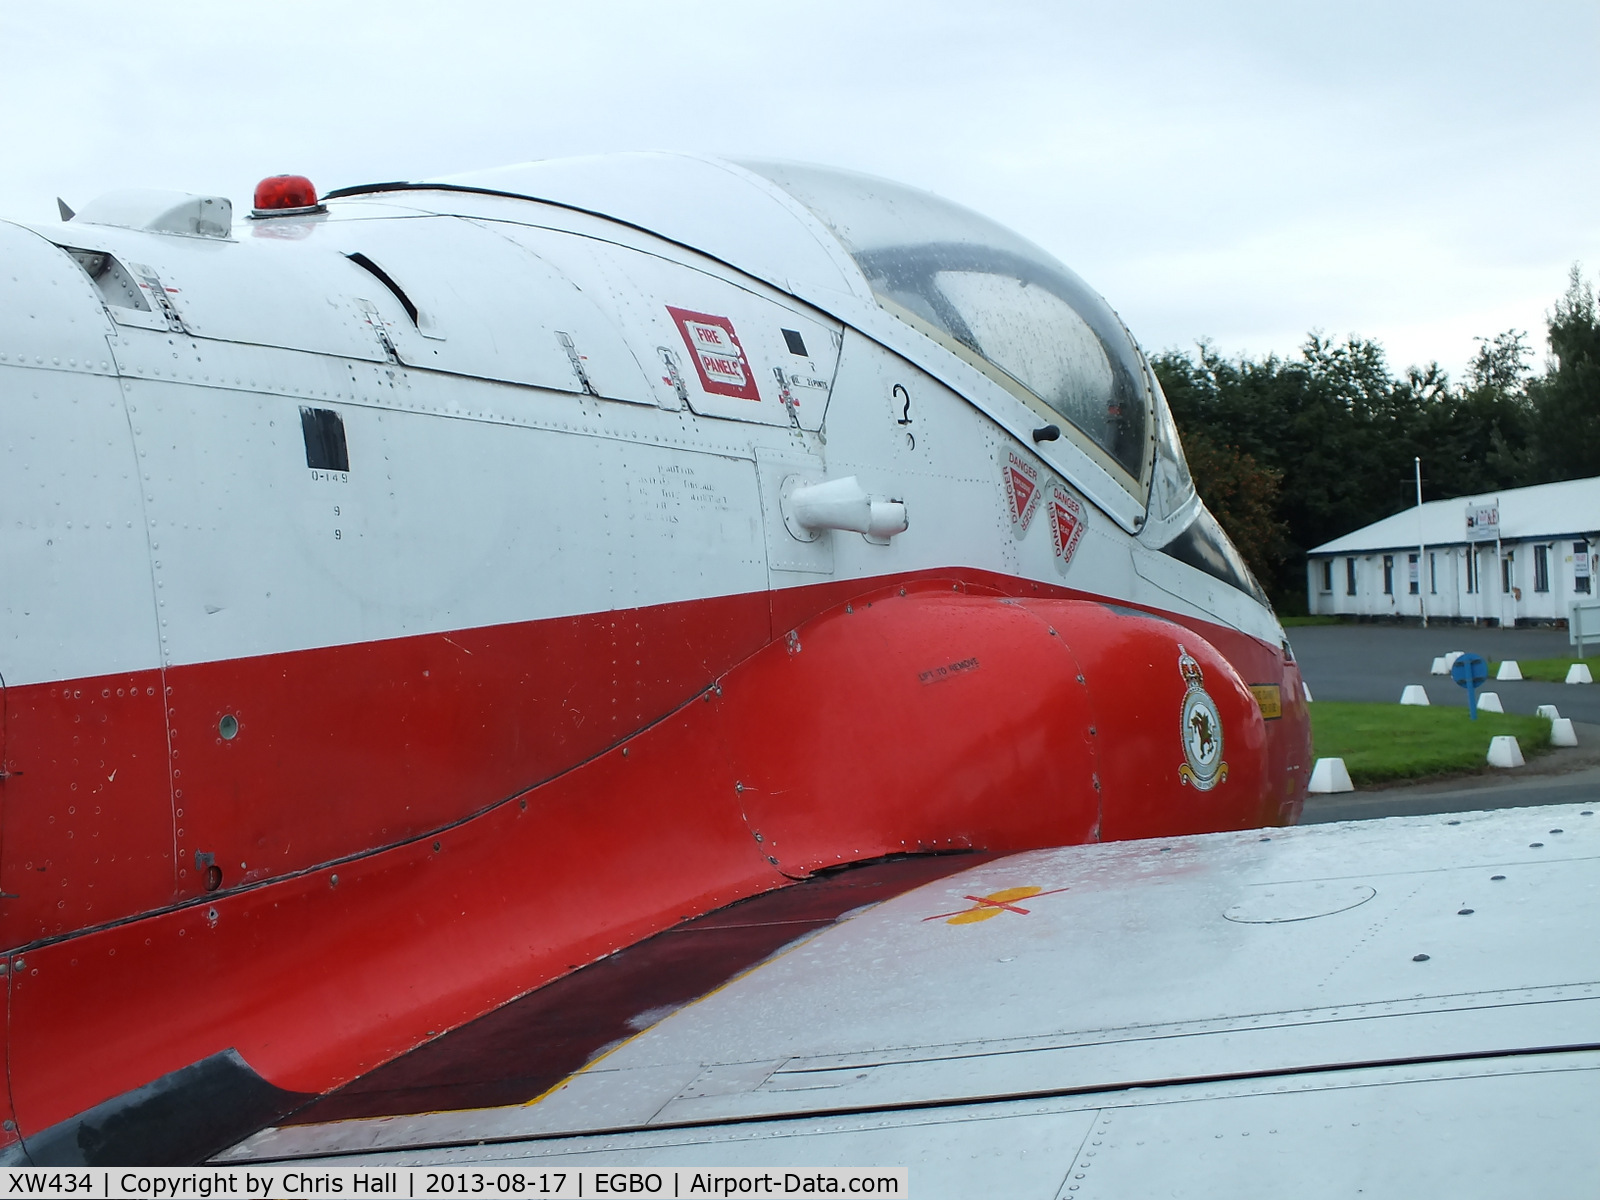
{"points": [[1541, 568], [1415, 579], [1580, 568], [326, 449], [1327, 574], [1388, 574], [1349, 577]]}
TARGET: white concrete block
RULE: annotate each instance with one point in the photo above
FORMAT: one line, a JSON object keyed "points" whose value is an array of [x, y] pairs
{"points": [[1579, 673], [1561, 732], [1440, 666], [1306, 688], [1450, 659], [1490, 702], [1415, 693], [1547, 710], [1509, 670], [1505, 752], [1329, 775]]}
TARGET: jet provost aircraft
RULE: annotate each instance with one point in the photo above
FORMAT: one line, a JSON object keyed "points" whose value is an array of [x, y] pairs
{"points": [[418, 592]]}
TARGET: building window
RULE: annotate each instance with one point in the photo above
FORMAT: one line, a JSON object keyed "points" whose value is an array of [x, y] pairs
{"points": [[1350, 577], [1505, 572], [1433, 573], [1541, 568], [1472, 571], [1388, 574], [1327, 574], [1580, 567], [1414, 575]]}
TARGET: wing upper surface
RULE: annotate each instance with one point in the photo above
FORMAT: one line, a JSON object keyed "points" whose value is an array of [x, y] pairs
{"points": [[1432, 977]]}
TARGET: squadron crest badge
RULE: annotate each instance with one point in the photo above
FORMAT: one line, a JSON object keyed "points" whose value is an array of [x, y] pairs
{"points": [[1201, 729]]}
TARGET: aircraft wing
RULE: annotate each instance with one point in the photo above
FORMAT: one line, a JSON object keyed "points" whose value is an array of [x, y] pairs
{"points": [[1400, 1007]]}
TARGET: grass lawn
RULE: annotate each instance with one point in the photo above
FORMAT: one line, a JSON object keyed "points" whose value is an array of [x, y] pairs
{"points": [[1550, 670], [1292, 622], [1381, 742]]}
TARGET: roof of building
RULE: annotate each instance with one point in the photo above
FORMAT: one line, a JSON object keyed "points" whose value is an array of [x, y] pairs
{"points": [[1546, 510]]}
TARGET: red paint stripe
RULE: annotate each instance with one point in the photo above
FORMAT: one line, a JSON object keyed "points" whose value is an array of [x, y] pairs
{"points": [[836, 753]]}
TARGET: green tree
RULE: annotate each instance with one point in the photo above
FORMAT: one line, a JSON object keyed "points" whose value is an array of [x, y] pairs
{"points": [[1566, 401], [1243, 495], [1293, 452], [1480, 437], [1333, 426]]}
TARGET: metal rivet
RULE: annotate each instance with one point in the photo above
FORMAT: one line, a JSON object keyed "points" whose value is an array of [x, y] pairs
{"points": [[436, 845], [333, 882], [1496, 877], [1452, 822], [1465, 912], [1534, 845], [1555, 831], [1419, 958]]}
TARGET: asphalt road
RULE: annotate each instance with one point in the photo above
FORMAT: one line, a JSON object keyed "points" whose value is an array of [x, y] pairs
{"points": [[1376, 662]]}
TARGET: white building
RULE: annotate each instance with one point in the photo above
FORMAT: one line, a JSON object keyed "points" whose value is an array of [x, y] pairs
{"points": [[1521, 555]]}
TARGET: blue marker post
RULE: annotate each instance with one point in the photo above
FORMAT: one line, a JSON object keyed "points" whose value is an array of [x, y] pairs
{"points": [[1471, 672]]}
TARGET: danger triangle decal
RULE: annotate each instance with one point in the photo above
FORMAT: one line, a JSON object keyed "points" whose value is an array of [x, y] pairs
{"points": [[1022, 490], [1066, 524], [1022, 493]]}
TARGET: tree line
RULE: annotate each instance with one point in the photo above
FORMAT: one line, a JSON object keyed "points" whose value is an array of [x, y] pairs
{"points": [[1292, 452]]}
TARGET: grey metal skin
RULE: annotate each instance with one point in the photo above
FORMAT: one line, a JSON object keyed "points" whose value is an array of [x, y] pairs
{"points": [[1392, 1008]]}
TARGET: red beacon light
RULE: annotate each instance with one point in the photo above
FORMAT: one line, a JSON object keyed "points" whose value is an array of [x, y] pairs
{"points": [[286, 196]]}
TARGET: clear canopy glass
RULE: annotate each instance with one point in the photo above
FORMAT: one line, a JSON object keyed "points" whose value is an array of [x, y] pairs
{"points": [[995, 299]]}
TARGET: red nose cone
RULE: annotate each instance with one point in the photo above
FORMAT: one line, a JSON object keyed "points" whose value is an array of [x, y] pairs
{"points": [[285, 191]]}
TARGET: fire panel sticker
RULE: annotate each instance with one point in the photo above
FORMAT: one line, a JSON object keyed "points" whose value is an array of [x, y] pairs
{"points": [[1067, 521], [718, 358], [1022, 492]]}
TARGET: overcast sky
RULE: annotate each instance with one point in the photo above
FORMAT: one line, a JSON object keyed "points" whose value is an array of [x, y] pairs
{"points": [[1244, 171]]}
